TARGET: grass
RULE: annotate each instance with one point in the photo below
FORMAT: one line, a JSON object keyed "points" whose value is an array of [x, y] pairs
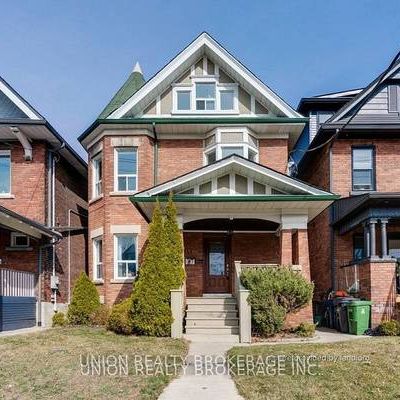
{"points": [[47, 365], [375, 374]]}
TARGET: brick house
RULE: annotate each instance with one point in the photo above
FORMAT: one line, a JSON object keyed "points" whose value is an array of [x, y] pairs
{"points": [[356, 136], [43, 210], [208, 130]]}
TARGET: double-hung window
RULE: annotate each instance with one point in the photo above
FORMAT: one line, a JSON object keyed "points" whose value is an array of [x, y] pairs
{"points": [[5, 172], [183, 100], [126, 169], [98, 258], [205, 96], [363, 168], [97, 176], [125, 256]]}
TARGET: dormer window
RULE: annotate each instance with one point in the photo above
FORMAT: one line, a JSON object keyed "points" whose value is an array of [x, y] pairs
{"points": [[204, 95], [223, 142]]}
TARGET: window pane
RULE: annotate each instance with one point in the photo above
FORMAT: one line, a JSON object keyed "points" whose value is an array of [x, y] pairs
{"points": [[394, 247], [231, 137], [258, 188], [205, 90], [205, 188], [211, 157], [210, 105], [227, 99], [252, 155], [122, 183], [126, 161], [227, 151], [99, 248], [4, 174], [183, 100], [362, 179], [216, 259], [121, 270], [131, 183], [200, 105], [126, 248], [362, 158], [131, 270], [358, 250]]}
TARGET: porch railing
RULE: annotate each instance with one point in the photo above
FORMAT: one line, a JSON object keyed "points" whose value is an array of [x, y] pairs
{"points": [[244, 307], [17, 283]]}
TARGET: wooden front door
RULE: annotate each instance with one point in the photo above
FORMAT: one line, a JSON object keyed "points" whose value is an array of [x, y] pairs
{"points": [[217, 276]]}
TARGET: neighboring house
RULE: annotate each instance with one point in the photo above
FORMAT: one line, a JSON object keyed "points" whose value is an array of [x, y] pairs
{"points": [[43, 206], [208, 130], [354, 152]]}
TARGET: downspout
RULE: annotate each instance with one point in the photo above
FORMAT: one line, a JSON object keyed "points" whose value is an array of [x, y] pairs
{"points": [[155, 166]]}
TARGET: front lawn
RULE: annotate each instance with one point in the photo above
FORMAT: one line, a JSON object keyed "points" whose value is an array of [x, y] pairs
{"points": [[48, 365], [360, 369]]}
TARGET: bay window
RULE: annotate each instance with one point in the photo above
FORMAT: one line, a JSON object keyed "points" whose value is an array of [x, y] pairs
{"points": [[224, 142], [363, 170], [5, 172], [125, 256], [126, 169]]}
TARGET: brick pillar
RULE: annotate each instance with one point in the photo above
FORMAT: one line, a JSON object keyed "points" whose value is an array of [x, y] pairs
{"points": [[286, 247], [301, 257]]}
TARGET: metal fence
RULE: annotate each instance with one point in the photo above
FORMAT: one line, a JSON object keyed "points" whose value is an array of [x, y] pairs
{"points": [[17, 283]]}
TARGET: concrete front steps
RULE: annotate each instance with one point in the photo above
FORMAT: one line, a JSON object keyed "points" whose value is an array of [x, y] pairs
{"points": [[212, 315]]}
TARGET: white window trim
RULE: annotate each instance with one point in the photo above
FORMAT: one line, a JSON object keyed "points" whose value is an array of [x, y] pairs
{"points": [[94, 161], [218, 88], [116, 190], [116, 277], [7, 153], [218, 145], [13, 243], [95, 259]]}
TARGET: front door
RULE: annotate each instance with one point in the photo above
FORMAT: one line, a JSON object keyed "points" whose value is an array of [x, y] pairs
{"points": [[217, 277]]}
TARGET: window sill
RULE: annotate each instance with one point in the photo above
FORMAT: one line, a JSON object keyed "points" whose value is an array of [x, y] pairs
{"points": [[19, 248], [96, 199], [7, 196], [358, 192], [117, 193], [123, 280], [98, 281]]}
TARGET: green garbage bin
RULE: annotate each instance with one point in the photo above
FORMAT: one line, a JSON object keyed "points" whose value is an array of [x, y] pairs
{"points": [[358, 313]]}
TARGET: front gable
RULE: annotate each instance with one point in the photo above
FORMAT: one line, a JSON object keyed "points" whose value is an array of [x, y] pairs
{"points": [[204, 61]]}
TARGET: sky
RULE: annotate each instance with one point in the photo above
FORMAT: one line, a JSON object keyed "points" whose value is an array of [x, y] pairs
{"points": [[68, 58]]}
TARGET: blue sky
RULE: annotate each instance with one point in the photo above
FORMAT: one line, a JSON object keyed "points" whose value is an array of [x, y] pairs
{"points": [[69, 57]]}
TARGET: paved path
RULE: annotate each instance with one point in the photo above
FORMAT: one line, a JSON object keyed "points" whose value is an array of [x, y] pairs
{"points": [[195, 384]]}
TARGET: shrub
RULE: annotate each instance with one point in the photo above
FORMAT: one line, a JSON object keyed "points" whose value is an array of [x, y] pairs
{"points": [[389, 328], [100, 316], [120, 318], [59, 319], [160, 271], [305, 329], [85, 300], [275, 292]]}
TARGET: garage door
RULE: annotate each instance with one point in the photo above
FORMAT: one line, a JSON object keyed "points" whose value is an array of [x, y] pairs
{"points": [[17, 300]]}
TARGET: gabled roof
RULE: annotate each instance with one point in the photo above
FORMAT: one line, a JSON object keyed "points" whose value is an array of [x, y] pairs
{"points": [[240, 165], [368, 91], [134, 82], [16, 111], [203, 44]]}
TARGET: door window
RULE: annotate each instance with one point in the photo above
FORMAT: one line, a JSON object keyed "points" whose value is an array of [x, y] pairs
{"points": [[216, 259]]}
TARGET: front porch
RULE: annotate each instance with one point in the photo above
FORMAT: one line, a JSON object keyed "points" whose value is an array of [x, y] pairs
{"points": [[367, 250]]}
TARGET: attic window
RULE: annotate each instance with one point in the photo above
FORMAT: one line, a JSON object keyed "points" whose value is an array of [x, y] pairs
{"points": [[205, 96]]}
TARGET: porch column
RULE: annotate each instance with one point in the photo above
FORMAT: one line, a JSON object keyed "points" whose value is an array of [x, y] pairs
{"points": [[286, 247], [384, 222], [367, 249], [372, 236]]}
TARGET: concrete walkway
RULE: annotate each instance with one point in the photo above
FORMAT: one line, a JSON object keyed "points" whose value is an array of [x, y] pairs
{"points": [[196, 382]]}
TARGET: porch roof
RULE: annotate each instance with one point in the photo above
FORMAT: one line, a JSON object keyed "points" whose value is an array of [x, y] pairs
{"points": [[350, 212], [16, 222]]}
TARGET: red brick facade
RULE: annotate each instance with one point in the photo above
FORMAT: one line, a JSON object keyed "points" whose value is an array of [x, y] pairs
{"points": [[329, 248], [29, 189]]}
